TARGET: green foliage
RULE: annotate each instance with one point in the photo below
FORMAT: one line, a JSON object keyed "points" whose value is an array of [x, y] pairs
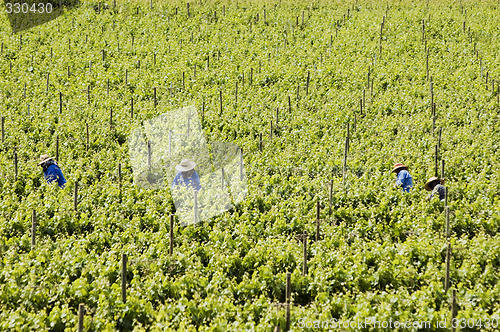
{"points": [[381, 253]]}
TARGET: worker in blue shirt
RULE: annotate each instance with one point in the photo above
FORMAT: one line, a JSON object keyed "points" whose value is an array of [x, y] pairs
{"points": [[186, 175], [51, 172], [403, 179]]}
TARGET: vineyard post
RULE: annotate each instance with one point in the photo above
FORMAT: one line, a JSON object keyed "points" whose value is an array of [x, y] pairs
{"points": [[260, 142], [183, 80], [171, 232], [307, 82], [88, 94], [304, 265], [236, 94], [203, 112], [15, 165], [154, 92], [126, 76], [427, 64], [222, 178], [187, 6], [149, 155], [277, 115], [251, 76], [288, 296], [124, 278], [439, 138], [48, 76], [131, 107], [289, 105], [3, 129], [33, 229], [445, 196], [271, 131], [361, 106], [454, 308], [432, 92], [317, 220], [75, 197], [241, 164], [170, 143], [220, 99], [81, 313], [107, 88], [331, 195], [436, 160], [196, 217], [188, 124], [447, 213], [57, 148], [110, 118], [447, 278], [120, 178], [87, 129], [24, 92], [442, 169]]}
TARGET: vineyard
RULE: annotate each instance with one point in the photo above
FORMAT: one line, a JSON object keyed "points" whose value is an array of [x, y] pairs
{"points": [[323, 98]]}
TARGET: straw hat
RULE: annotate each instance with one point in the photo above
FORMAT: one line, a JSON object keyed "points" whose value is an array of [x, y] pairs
{"points": [[44, 158], [398, 166], [185, 165], [432, 179]]}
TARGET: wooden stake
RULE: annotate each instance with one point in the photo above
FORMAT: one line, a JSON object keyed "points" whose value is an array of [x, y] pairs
{"points": [[330, 198], [124, 278], [317, 220], [110, 118], [3, 128], [288, 299], [271, 131], [120, 177], [154, 92], [260, 142], [454, 309], [447, 214], [241, 164], [149, 155], [222, 179], [220, 99], [15, 165], [107, 88], [81, 313], [304, 265], [187, 7], [307, 83], [448, 258], [87, 129], [57, 148], [236, 93], [33, 229], [171, 231], [442, 169], [60, 102], [196, 216], [75, 197], [132, 107], [48, 77], [436, 160], [251, 76]]}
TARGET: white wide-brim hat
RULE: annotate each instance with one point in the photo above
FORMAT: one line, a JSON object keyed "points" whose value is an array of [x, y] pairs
{"points": [[44, 158], [185, 165]]}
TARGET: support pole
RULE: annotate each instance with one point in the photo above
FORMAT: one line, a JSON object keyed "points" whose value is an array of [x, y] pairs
{"points": [[124, 278], [171, 233]]}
